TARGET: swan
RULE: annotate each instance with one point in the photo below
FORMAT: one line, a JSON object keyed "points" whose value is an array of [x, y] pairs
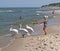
{"points": [[46, 16], [24, 31], [13, 30], [37, 14], [29, 28]]}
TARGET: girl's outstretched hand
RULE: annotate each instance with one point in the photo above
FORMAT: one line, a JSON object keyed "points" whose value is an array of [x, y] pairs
{"points": [[39, 23]]}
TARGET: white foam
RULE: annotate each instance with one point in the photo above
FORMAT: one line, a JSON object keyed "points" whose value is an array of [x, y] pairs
{"points": [[6, 10], [37, 14], [38, 11]]}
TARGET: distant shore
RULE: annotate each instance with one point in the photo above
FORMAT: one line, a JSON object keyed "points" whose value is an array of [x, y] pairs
{"points": [[52, 5]]}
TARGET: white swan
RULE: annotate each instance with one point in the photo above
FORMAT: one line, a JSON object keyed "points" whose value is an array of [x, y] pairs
{"points": [[29, 28], [13, 30], [46, 16], [24, 31]]}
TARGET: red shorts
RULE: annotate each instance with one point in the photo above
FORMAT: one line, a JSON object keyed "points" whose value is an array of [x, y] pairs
{"points": [[44, 28]]}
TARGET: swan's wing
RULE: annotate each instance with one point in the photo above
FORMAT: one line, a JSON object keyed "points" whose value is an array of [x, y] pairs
{"points": [[28, 27], [24, 29]]}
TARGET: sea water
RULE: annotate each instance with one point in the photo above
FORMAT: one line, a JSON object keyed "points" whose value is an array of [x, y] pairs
{"points": [[11, 16]]}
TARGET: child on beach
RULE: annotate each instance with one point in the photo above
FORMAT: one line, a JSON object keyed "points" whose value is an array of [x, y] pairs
{"points": [[45, 24]]}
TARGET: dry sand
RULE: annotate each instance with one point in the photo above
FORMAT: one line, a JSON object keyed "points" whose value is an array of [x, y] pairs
{"points": [[49, 42]]}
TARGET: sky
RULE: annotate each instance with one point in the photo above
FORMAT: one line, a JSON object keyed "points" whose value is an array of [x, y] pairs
{"points": [[25, 3]]}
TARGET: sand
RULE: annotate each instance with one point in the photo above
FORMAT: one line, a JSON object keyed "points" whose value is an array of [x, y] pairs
{"points": [[49, 42]]}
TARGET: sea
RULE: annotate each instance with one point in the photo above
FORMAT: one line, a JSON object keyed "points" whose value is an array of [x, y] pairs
{"points": [[11, 16], [29, 15]]}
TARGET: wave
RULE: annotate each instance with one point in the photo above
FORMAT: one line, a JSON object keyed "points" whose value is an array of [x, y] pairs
{"points": [[15, 10], [7, 11], [38, 11]]}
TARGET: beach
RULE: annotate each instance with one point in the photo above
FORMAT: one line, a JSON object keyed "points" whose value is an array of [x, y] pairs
{"points": [[49, 42]]}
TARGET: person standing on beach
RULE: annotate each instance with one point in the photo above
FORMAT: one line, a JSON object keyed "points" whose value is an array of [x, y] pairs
{"points": [[44, 24]]}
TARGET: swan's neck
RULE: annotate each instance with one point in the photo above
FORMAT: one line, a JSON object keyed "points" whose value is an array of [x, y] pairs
{"points": [[11, 28], [26, 25], [20, 26]]}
